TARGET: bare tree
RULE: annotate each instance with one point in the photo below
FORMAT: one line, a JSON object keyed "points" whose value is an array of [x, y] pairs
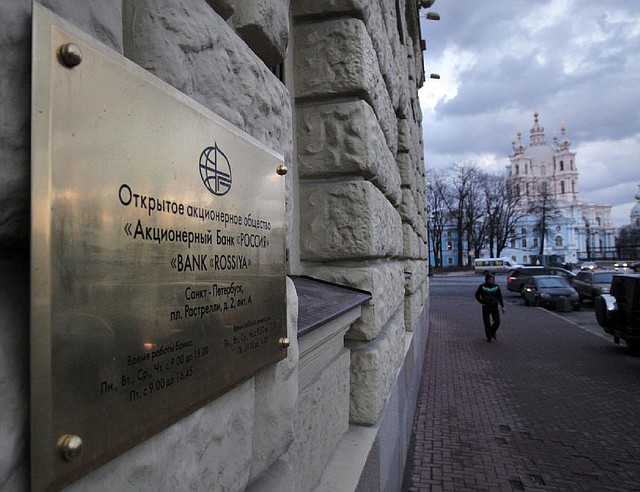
{"points": [[463, 180], [437, 190], [503, 211], [476, 217], [628, 242], [542, 206], [482, 209]]}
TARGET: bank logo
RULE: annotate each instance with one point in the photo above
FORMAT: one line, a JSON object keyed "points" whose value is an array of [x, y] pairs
{"points": [[215, 170]]}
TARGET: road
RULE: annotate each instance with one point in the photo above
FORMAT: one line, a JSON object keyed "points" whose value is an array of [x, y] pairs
{"points": [[464, 286], [553, 404]]}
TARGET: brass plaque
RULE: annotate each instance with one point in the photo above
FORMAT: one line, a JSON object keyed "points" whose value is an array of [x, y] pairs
{"points": [[158, 254]]}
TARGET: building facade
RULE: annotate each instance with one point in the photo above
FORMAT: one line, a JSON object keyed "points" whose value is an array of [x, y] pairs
{"points": [[332, 86], [634, 215], [576, 230]]}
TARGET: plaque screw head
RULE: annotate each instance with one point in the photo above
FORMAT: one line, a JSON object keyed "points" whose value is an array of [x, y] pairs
{"points": [[284, 342], [69, 446], [282, 169], [69, 55]]}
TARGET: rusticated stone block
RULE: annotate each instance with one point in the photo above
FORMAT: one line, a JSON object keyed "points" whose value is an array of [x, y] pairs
{"points": [[406, 169], [345, 139], [419, 271], [264, 26], [374, 368], [381, 23], [276, 395], [410, 242], [347, 220], [408, 210], [424, 251], [413, 304], [322, 420], [102, 20], [336, 59], [405, 143], [420, 226], [385, 282], [191, 48]]}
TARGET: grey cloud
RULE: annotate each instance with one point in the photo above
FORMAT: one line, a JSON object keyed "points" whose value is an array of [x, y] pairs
{"points": [[597, 100]]}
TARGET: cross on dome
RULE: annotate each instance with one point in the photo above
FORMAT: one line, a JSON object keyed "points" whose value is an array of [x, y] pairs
{"points": [[537, 132]]}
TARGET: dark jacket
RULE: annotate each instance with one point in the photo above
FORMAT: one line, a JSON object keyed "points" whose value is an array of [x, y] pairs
{"points": [[489, 295]]}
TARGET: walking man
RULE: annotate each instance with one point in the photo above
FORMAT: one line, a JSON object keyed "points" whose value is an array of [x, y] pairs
{"points": [[489, 295]]}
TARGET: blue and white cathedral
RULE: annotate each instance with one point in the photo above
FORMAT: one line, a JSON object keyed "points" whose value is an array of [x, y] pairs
{"points": [[577, 230]]}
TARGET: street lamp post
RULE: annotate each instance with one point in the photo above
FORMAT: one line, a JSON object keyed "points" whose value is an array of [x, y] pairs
{"points": [[588, 239]]}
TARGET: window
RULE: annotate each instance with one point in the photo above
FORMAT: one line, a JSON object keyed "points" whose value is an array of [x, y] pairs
{"points": [[543, 170], [558, 228], [449, 245], [525, 259], [603, 277], [562, 187], [543, 187], [513, 243], [523, 231], [518, 189], [561, 165], [517, 169], [524, 242], [559, 241], [449, 261], [513, 257], [527, 190], [599, 221], [573, 186], [535, 242]]}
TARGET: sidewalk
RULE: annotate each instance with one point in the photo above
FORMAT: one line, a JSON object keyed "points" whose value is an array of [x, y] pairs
{"points": [[547, 407]]}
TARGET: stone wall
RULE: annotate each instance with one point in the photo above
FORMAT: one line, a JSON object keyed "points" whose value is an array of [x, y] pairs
{"points": [[357, 186], [361, 168]]}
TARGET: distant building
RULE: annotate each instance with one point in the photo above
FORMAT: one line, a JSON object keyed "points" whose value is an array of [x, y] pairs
{"points": [[635, 211], [628, 240], [577, 230]]}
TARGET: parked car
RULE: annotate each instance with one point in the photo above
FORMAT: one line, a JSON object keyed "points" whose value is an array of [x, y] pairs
{"points": [[588, 265], [619, 311], [549, 291], [636, 267], [494, 265], [592, 283], [518, 276]]}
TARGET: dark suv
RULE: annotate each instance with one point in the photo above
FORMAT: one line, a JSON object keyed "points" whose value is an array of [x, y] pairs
{"points": [[619, 311], [592, 283], [519, 276]]}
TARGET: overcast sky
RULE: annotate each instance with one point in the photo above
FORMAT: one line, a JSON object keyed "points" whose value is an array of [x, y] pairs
{"points": [[576, 62]]}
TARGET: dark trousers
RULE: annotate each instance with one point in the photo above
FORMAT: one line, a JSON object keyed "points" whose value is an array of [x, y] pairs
{"points": [[491, 313]]}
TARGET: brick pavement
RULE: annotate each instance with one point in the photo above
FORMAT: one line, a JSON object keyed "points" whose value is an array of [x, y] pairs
{"points": [[547, 407]]}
